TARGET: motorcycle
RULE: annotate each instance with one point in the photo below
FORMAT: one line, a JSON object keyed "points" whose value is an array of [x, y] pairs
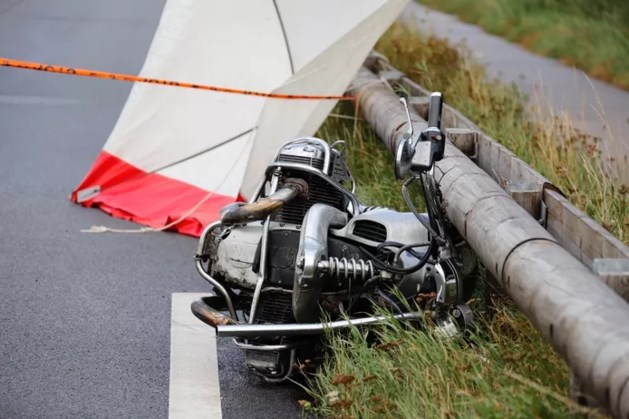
{"points": [[305, 255]]}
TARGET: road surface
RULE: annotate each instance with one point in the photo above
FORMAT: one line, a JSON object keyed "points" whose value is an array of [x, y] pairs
{"points": [[85, 319]]}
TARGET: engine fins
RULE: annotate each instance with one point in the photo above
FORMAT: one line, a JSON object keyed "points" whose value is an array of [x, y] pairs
{"points": [[275, 307], [343, 268]]}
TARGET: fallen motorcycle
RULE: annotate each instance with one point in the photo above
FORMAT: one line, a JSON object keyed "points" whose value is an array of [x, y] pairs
{"points": [[305, 255]]}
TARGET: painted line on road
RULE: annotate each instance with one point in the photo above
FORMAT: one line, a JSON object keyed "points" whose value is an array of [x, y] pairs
{"points": [[194, 387], [37, 100]]}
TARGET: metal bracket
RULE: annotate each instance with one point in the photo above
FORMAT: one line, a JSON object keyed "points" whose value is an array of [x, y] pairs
{"points": [[543, 212], [374, 59]]}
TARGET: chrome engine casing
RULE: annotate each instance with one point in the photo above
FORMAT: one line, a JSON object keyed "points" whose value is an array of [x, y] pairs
{"points": [[235, 253], [233, 250]]}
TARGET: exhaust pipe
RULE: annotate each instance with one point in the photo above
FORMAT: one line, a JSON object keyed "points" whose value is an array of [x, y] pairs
{"points": [[239, 212], [209, 315], [227, 327]]}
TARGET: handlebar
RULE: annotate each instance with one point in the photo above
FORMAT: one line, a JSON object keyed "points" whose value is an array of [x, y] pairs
{"points": [[434, 110], [420, 154]]}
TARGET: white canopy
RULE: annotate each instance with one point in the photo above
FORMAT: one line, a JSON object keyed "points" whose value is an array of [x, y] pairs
{"points": [[174, 145]]}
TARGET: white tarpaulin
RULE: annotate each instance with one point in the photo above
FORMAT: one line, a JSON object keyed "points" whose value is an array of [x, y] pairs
{"points": [[172, 146]]}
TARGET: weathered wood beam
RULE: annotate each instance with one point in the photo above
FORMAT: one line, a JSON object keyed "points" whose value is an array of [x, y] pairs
{"points": [[578, 233], [582, 236], [615, 273], [585, 321]]}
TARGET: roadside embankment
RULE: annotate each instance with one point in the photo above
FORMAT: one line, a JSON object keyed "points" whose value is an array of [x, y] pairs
{"points": [[595, 108]]}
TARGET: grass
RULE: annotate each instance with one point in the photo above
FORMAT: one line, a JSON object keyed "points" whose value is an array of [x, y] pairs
{"points": [[370, 162], [592, 35], [409, 374], [510, 370]]}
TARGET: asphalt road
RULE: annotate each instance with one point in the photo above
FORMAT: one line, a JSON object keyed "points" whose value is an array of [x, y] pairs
{"points": [[84, 318]]}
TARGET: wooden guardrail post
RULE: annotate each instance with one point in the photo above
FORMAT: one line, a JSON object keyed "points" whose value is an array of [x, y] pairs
{"points": [[615, 273], [585, 321]]}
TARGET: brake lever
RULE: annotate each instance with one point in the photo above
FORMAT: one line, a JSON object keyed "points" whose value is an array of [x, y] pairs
{"points": [[406, 148], [429, 147]]}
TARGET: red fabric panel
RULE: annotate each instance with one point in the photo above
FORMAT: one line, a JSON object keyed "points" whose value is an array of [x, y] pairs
{"points": [[150, 199]]}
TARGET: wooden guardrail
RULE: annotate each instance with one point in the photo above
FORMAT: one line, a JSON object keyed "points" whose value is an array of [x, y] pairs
{"points": [[583, 237], [549, 277]]}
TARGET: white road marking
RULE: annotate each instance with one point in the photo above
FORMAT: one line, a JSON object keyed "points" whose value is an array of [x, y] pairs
{"points": [[36, 100], [194, 387]]}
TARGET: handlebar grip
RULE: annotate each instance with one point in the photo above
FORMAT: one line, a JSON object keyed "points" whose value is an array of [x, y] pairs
{"points": [[434, 110]]}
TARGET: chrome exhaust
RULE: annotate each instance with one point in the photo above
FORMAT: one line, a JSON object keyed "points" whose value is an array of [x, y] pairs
{"points": [[239, 212]]}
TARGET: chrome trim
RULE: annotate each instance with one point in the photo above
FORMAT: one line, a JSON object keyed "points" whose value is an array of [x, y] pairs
{"points": [[277, 289], [326, 146], [243, 346], [313, 247], [219, 287], [263, 253], [440, 282], [262, 272], [305, 329]]}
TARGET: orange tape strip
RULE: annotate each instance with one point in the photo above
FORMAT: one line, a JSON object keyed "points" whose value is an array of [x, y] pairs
{"points": [[29, 65]]}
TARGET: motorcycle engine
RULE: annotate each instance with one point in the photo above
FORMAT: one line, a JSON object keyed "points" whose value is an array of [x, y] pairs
{"points": [[305, 244], [234, 250]]}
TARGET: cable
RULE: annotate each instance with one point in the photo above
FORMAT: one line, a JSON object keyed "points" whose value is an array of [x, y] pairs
{"points": [[409, 248], [402, 248], [407, 198], [386, 244], [430, 190], [401, 271]]}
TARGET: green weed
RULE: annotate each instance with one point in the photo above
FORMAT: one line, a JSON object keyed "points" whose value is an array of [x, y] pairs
{"points": [[592, 35], [507, 372]]}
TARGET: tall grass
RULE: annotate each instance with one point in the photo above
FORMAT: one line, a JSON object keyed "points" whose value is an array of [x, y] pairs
{"points": [[509, 370], [507, 373], [590, 34], [370, 162]]}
